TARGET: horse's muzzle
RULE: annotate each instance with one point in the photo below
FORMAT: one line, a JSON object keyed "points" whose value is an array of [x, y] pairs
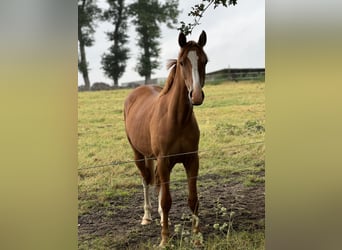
{"points": [[197, 98]]}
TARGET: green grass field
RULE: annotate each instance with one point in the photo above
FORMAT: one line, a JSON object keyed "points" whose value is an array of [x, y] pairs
{"points": [[232, 152]]}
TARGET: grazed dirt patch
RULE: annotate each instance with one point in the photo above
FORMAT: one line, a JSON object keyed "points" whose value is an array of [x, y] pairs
{"points": [[120, 222]]}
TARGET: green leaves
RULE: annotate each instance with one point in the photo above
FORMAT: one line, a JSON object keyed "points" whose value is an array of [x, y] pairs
{"points": [[148, 15], [88, 13], [114, 62], [197, 12]]}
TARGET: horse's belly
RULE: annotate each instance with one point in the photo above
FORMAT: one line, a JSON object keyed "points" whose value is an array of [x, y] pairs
{"points": [[138, 108]]}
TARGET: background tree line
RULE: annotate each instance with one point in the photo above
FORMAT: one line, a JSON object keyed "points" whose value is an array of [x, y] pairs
{"points": [[147, 16]]}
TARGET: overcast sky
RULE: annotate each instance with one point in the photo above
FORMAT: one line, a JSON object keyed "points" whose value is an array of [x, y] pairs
{"points": [[235, 39]]}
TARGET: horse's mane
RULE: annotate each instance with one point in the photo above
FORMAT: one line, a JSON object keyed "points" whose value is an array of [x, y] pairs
{"points": [[171, 64]]}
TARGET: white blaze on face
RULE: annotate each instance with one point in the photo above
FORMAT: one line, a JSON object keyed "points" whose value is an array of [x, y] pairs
{"points": [[196, 93], [195, 75]]}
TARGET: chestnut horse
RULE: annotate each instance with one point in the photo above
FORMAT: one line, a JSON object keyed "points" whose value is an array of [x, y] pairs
{"points": [[160, 124]]}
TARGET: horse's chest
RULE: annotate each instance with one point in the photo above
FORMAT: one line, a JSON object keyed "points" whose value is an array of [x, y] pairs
{"points": [[177, 139]]}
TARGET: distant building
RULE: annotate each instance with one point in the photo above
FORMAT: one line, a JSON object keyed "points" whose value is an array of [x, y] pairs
{"points": [[229, 74], [134, 84], [236, 74]]}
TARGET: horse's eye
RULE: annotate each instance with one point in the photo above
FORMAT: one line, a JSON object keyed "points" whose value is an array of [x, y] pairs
{"points": [[181, 63]]}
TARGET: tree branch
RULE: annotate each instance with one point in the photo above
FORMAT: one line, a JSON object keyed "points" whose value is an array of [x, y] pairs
{"points": [[198, 11]]}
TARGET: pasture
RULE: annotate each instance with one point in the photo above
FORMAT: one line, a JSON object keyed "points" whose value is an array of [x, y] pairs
{"points": [[230, 183]]}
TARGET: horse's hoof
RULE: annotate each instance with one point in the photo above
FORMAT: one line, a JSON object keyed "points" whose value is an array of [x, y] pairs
{"points": [[197, 240], [146, 221], [162, 245], [197, 244]]}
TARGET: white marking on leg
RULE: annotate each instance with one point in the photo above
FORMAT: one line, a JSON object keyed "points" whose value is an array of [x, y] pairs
{"points": [[160, 210], [195, 221], [147, 219]]}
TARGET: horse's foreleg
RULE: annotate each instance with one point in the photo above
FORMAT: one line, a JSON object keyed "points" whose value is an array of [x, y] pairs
{"points": [[191, 168], [164, 200], [160, 210]]}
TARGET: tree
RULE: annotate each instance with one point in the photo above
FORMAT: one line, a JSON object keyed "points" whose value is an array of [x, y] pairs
{"points": [[198, 10], [114, 62], [148, 15], [88, 12]]}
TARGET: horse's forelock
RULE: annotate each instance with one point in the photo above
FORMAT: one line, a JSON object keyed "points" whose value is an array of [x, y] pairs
{"points": [[189, 46]]}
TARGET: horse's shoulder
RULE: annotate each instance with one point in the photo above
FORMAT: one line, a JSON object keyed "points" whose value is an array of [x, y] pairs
{"points": [[156, 88], [145, 94]]}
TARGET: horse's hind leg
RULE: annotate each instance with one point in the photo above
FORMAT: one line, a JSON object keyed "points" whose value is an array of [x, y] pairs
{"points": [[147, 172], [147, 219]]}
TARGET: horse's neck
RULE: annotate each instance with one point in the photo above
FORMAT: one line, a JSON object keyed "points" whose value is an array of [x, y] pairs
{"points": [[180, 107]]}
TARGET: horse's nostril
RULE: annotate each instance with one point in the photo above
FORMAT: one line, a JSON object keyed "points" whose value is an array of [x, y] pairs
{"points": [[190, 95]]}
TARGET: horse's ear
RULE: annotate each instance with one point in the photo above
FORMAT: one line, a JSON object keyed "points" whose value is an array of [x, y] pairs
{"points": [[181, 39], [202, 39]]}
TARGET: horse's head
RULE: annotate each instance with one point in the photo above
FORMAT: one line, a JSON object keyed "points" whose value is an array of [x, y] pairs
{"points": [[192, 61]]}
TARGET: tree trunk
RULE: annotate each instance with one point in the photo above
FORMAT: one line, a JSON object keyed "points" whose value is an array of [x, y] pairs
{"points": [[148, 63], [116, 82], [84, 66], [147, 79]]}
